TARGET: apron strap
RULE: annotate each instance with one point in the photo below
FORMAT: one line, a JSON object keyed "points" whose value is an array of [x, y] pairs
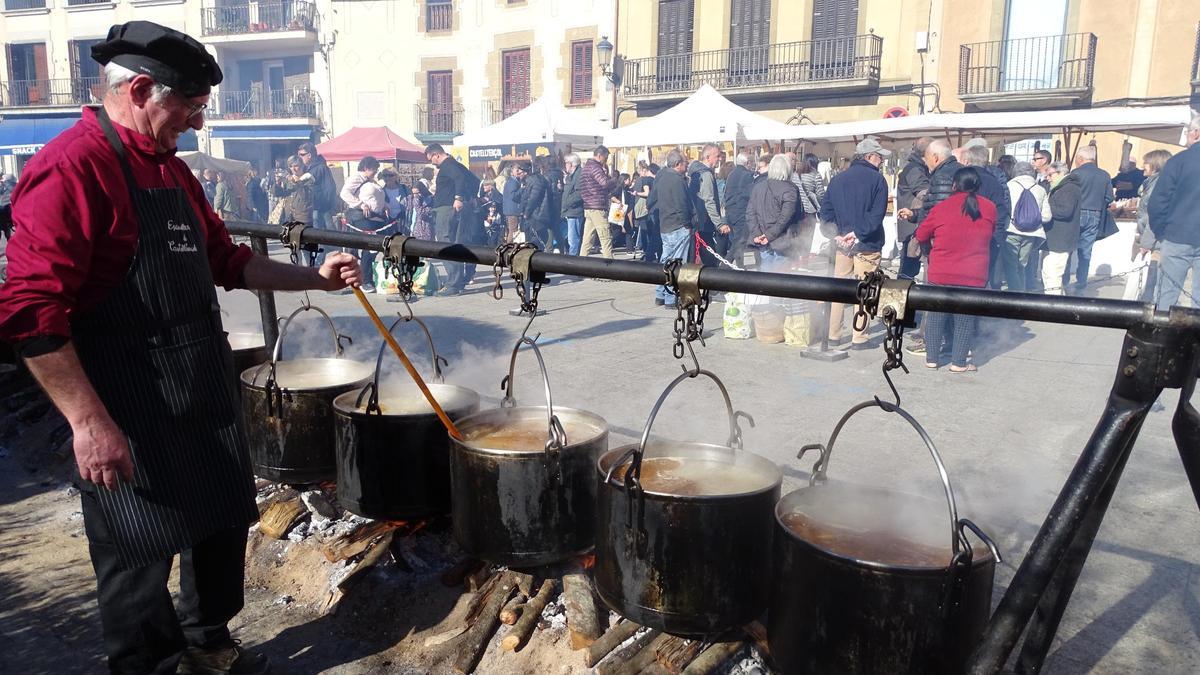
{"points": [[118, 147]]}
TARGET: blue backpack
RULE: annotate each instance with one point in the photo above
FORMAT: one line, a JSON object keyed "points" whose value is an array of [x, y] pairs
{"points": [[1027, 216]]}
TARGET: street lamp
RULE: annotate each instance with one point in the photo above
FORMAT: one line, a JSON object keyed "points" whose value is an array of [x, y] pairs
{"points": [[604, 54]]}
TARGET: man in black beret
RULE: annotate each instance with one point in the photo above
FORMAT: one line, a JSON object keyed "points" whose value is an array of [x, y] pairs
{"points": [[131, 350]]}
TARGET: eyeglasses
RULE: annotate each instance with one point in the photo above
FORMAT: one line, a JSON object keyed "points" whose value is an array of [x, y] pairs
{"points": [[302, 153]]}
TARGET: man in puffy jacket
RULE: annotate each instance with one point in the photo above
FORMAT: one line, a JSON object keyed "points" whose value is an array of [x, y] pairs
{"points": [[855, 203], [942, 166], [325, 201], [572, 203], [596, 186], [1175, 220]]}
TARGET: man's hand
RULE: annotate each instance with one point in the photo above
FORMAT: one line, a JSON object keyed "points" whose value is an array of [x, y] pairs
{"points": [[904, 214], [366, 210], [847, 240], [102, 452], [761, 240], [339, 271], [724, 229]]}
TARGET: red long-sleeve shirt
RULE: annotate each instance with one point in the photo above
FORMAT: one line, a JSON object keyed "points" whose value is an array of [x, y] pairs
{"points": [[960, 252], [76, 232]]}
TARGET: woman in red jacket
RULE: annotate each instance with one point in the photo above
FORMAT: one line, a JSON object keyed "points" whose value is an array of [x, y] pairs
{"points": [[959, 230]]}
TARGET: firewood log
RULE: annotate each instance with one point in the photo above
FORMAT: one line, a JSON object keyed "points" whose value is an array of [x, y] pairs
{"points": [[676, 653], [583, 619], [281, 517], [476, 639], [617, 660], [512, 611], [641, 660], [522, 630], [712, 658], [609, 641], [353, 543]]}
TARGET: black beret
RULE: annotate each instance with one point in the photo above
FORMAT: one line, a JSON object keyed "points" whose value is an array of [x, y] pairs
{"points": [[170, 57]]}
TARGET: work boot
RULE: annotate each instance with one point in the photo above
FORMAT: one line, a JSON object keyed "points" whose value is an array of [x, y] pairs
{"points": [[227, 657]]}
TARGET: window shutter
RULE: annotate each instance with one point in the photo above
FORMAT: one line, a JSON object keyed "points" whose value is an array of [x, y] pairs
{"points": [[41, 68], [581, 72], [516, 81], [675, 27]]}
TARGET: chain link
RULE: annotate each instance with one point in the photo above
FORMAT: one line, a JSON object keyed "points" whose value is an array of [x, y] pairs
{"points": [[689, 319], [505, 255]]}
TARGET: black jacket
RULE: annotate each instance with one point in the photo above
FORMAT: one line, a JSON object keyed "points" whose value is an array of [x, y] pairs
{"points": [[453, 179], [991, 189], [325, 193], [771, 212], [913, 180], [537, 205], [671, 201], [941, 186], [572, 201], [737, 195], [1062, 233]]}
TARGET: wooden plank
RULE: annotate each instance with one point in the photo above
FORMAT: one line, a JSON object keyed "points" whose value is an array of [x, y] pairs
{"points": [[353, 543]]}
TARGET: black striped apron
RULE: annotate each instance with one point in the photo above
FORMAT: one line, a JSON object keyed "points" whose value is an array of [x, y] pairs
{"points": [[157, 356]]}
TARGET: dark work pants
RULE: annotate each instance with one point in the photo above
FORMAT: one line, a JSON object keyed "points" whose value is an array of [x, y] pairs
{"points": [[143, 633]]}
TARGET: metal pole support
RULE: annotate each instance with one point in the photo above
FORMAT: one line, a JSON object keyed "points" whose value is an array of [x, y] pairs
{"points": [[1152, 359], [266, 299]]}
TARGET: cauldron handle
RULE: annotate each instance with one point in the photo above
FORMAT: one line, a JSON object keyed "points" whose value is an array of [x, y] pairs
{"points": [[735, 432], [957, 538], [273, 389], [373, 400], [556, 436]]}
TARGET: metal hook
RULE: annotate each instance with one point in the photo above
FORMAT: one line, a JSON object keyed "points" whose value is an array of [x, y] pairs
{"points": [[525, 333], [407, 308], [890, 407], [307, 304], [695, 362]]}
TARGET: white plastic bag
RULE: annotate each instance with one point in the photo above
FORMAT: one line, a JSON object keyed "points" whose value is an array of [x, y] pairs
{"points": [[737, 322]]}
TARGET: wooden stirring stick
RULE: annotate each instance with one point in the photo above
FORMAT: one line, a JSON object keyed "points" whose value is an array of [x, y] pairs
{"points": [[407, 364]]}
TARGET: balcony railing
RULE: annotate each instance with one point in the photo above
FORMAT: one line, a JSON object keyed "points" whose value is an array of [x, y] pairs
{"points": [[438, 119], [296, 103], [1056, 62], [439, 15], [273, 16], [811, 62], [46, 93], [14, 5]]}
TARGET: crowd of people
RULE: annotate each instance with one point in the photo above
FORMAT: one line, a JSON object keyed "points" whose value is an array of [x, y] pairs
{"points": [[1042, 218]]}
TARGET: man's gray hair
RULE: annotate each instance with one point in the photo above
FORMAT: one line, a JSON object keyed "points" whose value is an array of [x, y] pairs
{"points": [[780, 168], [710, 147], [939, 148], [922, 144], [116, 75], [1060, 167], [571, 158], [1194, 125], [1024, 169], [674, 157], [1087, 153], [742, 159], [976, 155]]}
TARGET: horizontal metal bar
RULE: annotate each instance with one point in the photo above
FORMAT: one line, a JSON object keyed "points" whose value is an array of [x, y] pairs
{"points": [[1098, 312]]}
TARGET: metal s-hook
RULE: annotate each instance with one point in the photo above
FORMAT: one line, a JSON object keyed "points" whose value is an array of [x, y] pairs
{"points": [[695, 362], [890, 407]]}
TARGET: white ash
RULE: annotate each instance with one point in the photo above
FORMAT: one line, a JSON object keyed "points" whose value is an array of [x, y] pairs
{"points": [[555, 614], [348, 524], [319, 505], [339, 573], [75, 515], [69, 490], [299, 532], [751, 663], [284, 600]]}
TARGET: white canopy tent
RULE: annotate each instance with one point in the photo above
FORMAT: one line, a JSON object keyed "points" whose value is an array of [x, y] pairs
{"points": [[1164, 124], [542, 121], [705, 116]]}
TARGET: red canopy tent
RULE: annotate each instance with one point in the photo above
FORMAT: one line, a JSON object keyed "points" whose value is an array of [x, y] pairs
{"points": [[379, 142]]}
